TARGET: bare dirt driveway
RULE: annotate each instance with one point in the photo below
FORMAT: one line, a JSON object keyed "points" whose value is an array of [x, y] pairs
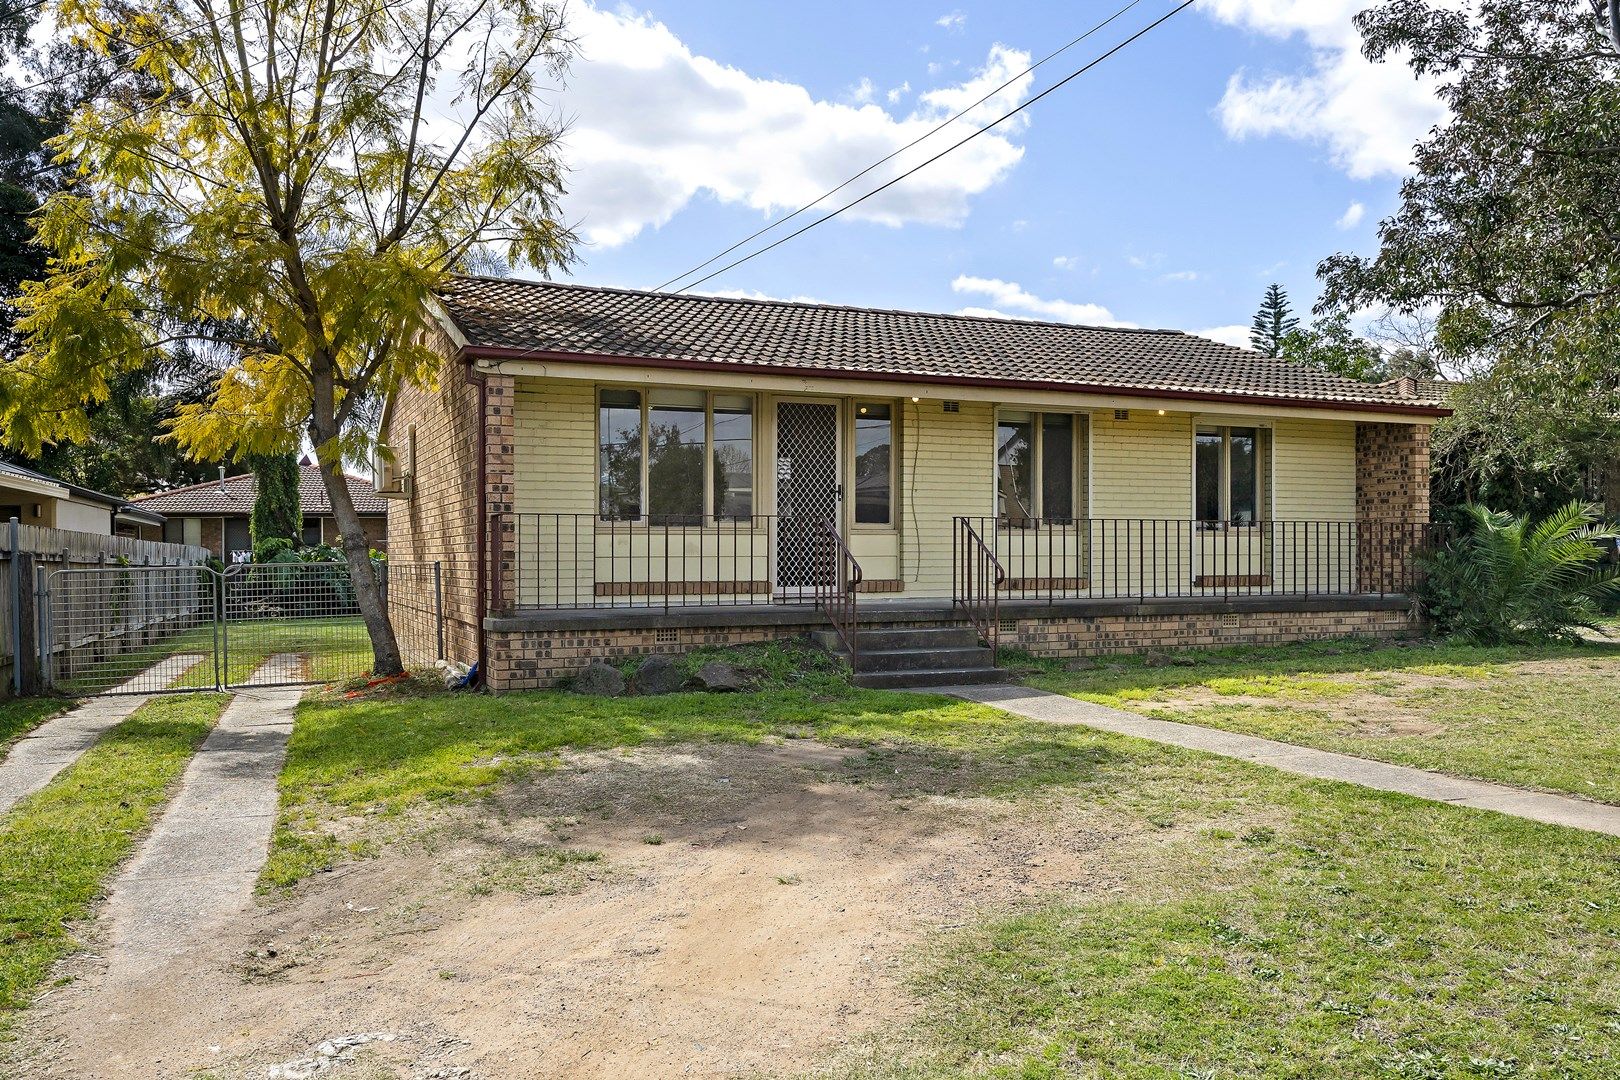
{"points": [[695, 910]]}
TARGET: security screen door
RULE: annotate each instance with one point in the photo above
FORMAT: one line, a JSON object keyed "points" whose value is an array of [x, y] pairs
{"points": [[807, 492]]}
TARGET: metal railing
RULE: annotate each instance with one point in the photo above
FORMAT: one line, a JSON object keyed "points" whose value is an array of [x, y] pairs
{"points": [[837, 585], [977, 578], [1129, 558]]}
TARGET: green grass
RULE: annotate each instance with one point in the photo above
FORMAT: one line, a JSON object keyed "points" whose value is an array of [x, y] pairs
{"points": [[1553, 730], [1251, 923], [19, 716], [58, 846], [338, 649]]}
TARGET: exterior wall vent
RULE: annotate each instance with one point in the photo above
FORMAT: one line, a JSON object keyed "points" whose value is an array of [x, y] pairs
{"points": [[666, 635], [1122, 414], [951, 406]]}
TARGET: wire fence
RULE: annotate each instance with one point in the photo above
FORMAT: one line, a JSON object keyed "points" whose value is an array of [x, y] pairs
{"points": [[147, 630]]}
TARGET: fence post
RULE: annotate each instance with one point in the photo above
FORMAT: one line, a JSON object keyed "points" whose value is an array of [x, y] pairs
{"points": [[16, 612], [32, 662], [438, 606]]}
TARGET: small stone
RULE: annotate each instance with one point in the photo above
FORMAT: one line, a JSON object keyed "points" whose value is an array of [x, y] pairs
{"points": [[1155, 659], [720, 677], [1081, 663], [657, 675], [599, 680]]}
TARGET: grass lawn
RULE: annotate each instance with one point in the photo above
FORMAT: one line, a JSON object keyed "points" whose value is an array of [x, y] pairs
{"points": [[338, 649], [19, 716], [58, 846], [1541, 718], [1285, 928]]}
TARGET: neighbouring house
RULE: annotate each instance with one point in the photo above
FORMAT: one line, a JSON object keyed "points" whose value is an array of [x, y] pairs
{"points": [[602, 472], [216, 514], [34, 498]]}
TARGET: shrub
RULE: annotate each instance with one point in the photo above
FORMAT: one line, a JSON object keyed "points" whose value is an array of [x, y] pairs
{"points": [[1502, 580]]}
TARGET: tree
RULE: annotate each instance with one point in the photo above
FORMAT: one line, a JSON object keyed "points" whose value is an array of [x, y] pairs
{"points": [[295, 192], [277, 512], [1329, 344], [1510, 224], [1272, 323]]}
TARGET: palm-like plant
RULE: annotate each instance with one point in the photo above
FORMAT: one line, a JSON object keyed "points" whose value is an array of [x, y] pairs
{"points": [[1503, 580]]}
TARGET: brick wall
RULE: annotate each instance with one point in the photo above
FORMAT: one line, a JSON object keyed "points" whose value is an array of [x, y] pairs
{"points": [[439, 522], [536, 659], [1392, 497]]}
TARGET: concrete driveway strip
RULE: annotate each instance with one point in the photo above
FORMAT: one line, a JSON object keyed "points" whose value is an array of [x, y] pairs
{"points": [[37, 757], [1303, 761], [200, 863]]}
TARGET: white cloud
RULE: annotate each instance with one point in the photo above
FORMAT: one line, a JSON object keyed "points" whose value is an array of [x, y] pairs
{"points": [[654, 126], [862, 92], [1368, 115], [1352, 216], [898, 93], [1066, 262], [954, 21], [1144, 262], [1230, 335], [1180, 275], [1013, 301], [755, 294]]}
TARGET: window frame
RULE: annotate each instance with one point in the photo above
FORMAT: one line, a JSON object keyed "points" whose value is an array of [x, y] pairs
{"points": [[1264, 466], [895, 416], [1079, 470], [707, 514]]}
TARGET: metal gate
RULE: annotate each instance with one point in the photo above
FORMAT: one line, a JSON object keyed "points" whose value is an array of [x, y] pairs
{"points": [[158, 629]]}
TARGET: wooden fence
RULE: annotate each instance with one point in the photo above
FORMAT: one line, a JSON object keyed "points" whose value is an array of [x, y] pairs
{"points": [[31, 551]]}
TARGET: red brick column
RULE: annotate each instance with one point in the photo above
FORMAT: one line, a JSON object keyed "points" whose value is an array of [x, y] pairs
{"points": [[500, 396], [1392, 503]]}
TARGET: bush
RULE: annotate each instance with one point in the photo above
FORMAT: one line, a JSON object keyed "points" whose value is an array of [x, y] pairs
{"points": [[1502, 581]]}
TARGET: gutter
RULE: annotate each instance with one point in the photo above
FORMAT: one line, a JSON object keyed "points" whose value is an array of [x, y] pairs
{"points": [[500, 353]]}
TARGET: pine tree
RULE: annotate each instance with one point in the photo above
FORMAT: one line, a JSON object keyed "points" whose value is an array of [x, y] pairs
{"points": [[277, 513], [1272, 323]]}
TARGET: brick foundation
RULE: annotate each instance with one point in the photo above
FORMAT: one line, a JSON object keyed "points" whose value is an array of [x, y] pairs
{"points": [[539, 658]]}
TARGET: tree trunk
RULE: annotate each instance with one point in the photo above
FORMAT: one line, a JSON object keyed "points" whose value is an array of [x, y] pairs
{"points": [[385, 657]]}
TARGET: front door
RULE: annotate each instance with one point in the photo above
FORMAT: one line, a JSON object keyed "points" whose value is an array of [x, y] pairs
{"points": [[807, 492]]}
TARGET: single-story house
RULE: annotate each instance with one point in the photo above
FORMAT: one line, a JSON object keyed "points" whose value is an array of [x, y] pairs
{"points": [[34, 498], [215, 514], [606, 472]]}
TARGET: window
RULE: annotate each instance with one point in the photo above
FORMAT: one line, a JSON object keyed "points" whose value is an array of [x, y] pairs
{"points": [[675, 456], [1038, 467], [1229, 468], [874, 465]]}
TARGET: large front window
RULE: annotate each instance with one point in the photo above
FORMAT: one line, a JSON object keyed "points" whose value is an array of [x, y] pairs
{"points": [[1038, 467], [675, 456], [1229, 475]]}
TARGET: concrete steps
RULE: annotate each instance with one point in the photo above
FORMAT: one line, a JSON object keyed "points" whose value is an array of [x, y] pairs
{"points": [[922, 656]]}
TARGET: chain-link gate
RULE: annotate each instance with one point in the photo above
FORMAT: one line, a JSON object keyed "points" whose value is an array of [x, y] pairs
{"points": [[154, 629]]}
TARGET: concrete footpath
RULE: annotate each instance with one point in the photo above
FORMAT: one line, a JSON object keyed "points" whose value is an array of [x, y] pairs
{"points": [[1303, 761], [199, 865], [37, 757]]}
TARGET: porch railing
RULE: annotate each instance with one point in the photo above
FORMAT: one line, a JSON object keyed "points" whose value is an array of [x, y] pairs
{"points": [[977, 578], [578, 561], [837, 589], [1126, 558]]}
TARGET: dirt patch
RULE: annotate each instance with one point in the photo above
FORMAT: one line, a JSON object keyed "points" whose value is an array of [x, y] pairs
{"points": [[687, 911], [1379, 715]]}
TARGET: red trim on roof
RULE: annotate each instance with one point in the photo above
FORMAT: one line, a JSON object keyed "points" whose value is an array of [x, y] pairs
{"points": [[504, 352]]}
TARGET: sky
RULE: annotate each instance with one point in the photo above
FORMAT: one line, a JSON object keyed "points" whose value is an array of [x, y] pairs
{"points": [[1236, 145]]}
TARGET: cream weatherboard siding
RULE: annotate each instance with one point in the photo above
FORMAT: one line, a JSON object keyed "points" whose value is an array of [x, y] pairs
{"points": [[1140, 468]]}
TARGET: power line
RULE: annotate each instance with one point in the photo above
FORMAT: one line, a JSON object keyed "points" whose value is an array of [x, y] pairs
{"points": [[989, 127], [941, 126]]}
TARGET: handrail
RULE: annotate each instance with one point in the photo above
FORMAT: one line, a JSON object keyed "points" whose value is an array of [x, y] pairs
{"points": [[977, 584], [836, 590]]}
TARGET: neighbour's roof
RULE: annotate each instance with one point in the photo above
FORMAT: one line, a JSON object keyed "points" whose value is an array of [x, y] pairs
{"points": [[234, 495], [511, 319], [112, 502], [1434, 391]]}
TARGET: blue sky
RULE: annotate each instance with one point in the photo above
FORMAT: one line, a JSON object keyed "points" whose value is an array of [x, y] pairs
{"points": [[1166, 187]]}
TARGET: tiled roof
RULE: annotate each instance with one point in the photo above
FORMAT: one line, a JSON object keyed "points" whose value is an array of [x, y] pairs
{"points": [[545, 317], [235, 495], [1433, 391]]}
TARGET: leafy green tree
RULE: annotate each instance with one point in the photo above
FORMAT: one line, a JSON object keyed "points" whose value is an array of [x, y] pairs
{"points": [[1329, 344], [1504, 581], [277, 512], [1272, 323], [1510, 223], [306, 176]]}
